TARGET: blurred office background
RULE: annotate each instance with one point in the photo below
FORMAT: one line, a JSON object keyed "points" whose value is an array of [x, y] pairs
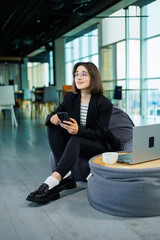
{"points": [[40, 41], [123, 41]]}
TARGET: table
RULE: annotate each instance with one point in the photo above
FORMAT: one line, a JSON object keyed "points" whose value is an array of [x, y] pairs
{"points": [[38, 92], [125, 190], [18, 91], [150, 164]]}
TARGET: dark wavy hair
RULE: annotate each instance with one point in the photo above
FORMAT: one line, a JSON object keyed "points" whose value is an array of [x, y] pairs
{"points": [[96, 86]]}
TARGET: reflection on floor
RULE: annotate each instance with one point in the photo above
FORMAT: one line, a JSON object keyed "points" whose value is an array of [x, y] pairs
{"points": [[24, 165]]}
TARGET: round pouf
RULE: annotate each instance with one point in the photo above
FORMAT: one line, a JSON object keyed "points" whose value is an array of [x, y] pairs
{"points": [[123, 191]]}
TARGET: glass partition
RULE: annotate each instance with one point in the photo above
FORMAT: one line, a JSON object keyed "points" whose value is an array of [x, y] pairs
{"points": [[83, 48]]}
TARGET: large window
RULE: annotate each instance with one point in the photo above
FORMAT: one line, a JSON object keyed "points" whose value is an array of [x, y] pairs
{"points": [[153, 60], [153, 10], [41, 70], [38, 74], [121, 68], [121, 56], [9, 71], [131, 57], [134, 59], [152, 39], [82, 48]]}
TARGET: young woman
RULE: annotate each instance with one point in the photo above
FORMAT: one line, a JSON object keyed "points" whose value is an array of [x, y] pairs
{"points": [[87, 130]]}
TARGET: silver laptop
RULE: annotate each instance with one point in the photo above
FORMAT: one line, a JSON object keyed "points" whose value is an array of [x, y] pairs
{"points": [[146, 145]]}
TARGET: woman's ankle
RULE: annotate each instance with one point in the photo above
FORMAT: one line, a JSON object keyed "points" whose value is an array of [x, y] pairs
{"points": [[57, 176], [51, 182]]}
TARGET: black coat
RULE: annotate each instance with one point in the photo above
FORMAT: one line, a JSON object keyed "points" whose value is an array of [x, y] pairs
{"points": [[98, 117]]}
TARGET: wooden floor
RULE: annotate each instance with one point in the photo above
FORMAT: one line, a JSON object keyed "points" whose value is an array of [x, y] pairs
{"points": [[24, 166]]}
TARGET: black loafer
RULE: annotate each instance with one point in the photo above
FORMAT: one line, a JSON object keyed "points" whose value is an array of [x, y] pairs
{"points": [[43, 195], [66, 183]]}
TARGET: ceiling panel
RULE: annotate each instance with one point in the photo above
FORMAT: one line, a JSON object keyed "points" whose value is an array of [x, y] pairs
{"points": [[26, 25]]}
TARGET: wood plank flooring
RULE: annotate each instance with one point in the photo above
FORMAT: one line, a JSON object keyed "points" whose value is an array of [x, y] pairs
{"points": [[24, 166]]}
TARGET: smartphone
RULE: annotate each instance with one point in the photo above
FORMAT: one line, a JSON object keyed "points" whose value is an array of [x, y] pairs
{"points": [[63, 116]]}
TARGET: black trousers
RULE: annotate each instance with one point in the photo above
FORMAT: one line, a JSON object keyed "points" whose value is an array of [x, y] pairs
{"points": [[66, 148]]}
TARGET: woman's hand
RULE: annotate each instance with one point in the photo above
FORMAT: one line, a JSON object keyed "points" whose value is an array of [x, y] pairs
{"points": [[55, 120], [71, 127]]}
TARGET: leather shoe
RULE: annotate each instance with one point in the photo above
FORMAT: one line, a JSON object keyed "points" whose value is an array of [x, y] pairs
{"points": [[43, 195], [66, 183]]}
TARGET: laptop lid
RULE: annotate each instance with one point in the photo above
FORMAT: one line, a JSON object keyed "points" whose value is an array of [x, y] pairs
{"points": [[146, 143]]}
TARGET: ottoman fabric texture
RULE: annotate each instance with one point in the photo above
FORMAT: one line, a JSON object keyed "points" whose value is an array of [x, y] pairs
{"points": [[124, 192]]}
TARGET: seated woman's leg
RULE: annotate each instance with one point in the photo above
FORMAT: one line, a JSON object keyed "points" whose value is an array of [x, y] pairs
{"points": [[74, 147], [50, 189], [52, 162], [58, 139]]}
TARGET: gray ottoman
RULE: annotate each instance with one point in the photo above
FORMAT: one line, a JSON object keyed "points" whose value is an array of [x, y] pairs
{"points": [[125, 190]]}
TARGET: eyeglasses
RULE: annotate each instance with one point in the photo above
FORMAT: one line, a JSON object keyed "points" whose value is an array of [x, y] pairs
{"points": [[83, 75]]}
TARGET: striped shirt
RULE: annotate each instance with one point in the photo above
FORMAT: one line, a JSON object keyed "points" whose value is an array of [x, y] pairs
{"points": [[83, 114]]}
